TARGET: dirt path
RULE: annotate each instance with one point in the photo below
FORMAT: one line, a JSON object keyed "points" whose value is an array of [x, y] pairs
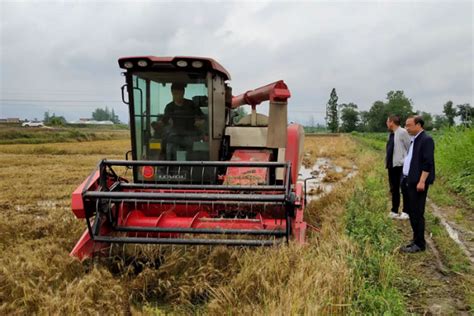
{"points": [[463, 237], [431, 288]]}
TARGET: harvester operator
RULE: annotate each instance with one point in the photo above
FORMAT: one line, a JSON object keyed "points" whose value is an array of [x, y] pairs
{"points": [[183, 121], [185, 115]]}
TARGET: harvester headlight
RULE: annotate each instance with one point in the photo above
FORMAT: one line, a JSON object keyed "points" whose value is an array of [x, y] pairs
{"points": [[182, 63], [142, 63], [197, 64], [128, 64]]}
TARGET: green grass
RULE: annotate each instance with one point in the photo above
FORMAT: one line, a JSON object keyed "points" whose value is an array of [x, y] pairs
{"points": [[373, 140], [441, 195], [375, 267], [454, 161]]}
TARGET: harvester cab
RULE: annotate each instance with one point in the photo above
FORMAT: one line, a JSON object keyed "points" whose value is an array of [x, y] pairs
{"points": [[199, 174]]}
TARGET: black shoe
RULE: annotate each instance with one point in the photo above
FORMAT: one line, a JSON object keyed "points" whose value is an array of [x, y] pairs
{"points": [[412, 248]]}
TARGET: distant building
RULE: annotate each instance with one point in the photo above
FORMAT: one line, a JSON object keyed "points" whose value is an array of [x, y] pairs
{"points": [[91, 122], [10, 120], [100, 122]]}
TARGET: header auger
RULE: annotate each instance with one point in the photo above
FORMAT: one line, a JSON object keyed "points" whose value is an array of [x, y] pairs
{"points": [[199, 176]]}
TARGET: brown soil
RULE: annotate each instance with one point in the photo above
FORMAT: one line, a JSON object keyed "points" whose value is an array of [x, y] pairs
{"points": [[461, 233], [431, 288]]}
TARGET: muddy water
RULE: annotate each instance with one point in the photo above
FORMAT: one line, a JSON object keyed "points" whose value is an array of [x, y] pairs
{"points": [[316, 185]]}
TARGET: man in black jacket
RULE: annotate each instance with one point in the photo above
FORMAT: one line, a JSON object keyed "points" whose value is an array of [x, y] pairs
{"points": [[418, 175]]}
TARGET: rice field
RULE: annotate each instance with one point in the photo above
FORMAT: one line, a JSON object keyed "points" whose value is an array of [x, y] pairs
{"points": [[37, 231]]}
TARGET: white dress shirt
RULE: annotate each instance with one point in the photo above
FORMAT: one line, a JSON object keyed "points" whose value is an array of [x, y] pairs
{"points": [[407, 162]]}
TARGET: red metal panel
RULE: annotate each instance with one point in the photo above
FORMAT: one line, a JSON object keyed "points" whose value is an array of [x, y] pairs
{"points": [[86, 247], [298, 224], [293, 152], [137, 218], [77, 204], [248, 175]]}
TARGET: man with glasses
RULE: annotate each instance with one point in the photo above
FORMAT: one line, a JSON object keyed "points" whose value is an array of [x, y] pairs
{"points": [[418, 174]]}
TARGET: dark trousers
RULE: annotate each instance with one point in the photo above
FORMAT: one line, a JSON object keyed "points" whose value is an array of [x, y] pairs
{"points": [[394, 179], [416, 210]]}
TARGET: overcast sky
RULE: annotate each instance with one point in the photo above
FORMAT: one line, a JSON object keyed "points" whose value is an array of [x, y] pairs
{"points": [[62, 56]]}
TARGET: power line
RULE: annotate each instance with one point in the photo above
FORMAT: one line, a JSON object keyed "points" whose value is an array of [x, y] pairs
{"points": [[306, 111], [49, 94], [43, 100]]}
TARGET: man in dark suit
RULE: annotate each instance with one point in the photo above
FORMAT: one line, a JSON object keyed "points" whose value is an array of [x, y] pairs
{"points": [[418, 175]]}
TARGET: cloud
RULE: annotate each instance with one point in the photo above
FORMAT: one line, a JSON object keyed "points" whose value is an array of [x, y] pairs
{"points": [[69, 50]]}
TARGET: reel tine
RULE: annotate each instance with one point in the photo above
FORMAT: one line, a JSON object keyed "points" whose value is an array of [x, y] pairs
{"points": [[215, 171], [121, 208], [110, 250], [147, 250], [202, 176]]}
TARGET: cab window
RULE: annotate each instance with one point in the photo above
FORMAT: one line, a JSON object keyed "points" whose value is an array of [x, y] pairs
{"points": [[171, 116]]}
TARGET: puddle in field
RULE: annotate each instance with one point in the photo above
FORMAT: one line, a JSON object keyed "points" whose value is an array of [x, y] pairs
{"points": [[323, 176]]}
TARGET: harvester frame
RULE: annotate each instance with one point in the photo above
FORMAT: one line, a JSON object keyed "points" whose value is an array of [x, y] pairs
{"points": [[247, 186]]}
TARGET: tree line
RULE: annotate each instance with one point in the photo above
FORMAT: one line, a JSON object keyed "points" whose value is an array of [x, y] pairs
{"points": [[105, 115], [347, 117], [98, 115]]}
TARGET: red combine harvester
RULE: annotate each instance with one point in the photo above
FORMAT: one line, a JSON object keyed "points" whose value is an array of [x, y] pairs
{"points": [[202, 174]]}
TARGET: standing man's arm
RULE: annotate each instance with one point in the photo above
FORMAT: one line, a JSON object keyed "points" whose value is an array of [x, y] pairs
{"points": [[420, 187], [427, 162], [406, 140]]}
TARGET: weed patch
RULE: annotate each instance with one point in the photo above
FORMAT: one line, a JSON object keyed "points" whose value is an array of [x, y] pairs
{"points": [[454, 161], [375, 265]]}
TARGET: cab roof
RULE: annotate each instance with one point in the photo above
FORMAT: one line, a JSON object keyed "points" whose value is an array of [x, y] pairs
{"points": [[167, 62]]}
